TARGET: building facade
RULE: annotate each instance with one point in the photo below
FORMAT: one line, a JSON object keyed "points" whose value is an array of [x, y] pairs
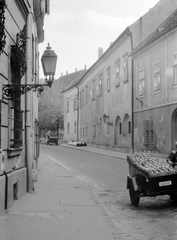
{"points": [[21, 32], [106, 89], [155, 89]]}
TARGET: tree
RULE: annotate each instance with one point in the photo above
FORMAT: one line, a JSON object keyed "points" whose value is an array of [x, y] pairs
{"points": [[51, 106]]}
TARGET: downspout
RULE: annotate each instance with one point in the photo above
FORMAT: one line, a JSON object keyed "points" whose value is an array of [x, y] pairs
{"points": [[28, 139], [6, 189], [132, 95], [77, 113]]}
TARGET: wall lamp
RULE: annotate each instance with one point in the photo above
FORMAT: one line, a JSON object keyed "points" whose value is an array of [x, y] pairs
{"points": [[139, 101], [105, 119], [49, 60]]}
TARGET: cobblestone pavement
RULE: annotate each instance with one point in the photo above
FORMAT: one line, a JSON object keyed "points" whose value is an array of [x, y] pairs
{"points": [[154, 218]]}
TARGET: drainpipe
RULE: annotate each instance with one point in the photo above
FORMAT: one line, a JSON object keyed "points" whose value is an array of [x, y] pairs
{"points": [[132, 95], [77, 113], [28, 138], [6, 189]]}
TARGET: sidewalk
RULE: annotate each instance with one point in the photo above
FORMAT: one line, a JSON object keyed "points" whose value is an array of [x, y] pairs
{"points": [[110, 153], [59, 209]]}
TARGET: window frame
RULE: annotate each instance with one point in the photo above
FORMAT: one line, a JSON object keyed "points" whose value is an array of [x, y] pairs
{"points": [[125, 67], [100, 84], [142, 82], [157, 77], [108, 79], [117, 73], [175, 69]]}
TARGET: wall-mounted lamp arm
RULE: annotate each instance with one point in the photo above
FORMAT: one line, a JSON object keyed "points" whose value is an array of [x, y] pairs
{"points": [[139, 101]]}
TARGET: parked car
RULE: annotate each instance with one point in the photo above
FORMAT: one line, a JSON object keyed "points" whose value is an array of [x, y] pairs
{"points": [[52, 140]]}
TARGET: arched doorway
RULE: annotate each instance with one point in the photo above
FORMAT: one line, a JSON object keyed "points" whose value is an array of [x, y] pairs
{"points": [[116, 130], [174, 128]]}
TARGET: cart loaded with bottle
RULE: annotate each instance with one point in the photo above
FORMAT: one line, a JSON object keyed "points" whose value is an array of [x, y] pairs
{"points": [[149, 176]]}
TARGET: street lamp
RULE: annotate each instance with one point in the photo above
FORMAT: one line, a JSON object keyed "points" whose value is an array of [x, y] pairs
{"points": [[105, 119], [49, 61]]}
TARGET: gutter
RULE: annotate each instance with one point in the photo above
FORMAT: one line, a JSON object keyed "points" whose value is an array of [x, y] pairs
{"points": [[28, 139], [77, 113], [132, 95]]}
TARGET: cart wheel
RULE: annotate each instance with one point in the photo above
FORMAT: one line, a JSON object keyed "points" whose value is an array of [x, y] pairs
{"points": [[135, 199]]}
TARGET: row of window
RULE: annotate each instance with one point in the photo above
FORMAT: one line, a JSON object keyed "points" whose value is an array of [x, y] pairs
{"points": [[85, 95], [124, 128], [156, 77]]}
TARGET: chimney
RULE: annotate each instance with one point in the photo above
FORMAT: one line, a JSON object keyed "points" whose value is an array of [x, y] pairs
{"points": [[75, 69], [66, 72], [100, 52]]}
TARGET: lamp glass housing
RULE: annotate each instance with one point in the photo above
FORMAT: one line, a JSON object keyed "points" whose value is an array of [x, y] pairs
{"points": [[49, 61]]}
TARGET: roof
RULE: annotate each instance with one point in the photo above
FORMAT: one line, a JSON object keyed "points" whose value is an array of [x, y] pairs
{"points": [[79, 78], [169, 24], [68, 78], [75, 81]]}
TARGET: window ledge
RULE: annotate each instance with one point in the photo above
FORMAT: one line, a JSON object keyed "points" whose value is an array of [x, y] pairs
{"points": [[11, 152]]}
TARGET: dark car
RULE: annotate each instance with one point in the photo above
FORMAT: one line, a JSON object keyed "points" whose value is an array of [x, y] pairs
{"points": [[52, 140]]}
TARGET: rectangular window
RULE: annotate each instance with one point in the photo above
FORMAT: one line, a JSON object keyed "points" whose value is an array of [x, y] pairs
{"points": [[108, 79], [75, 127], [83, 131], [16, 114], [93, 90], [82, 98], [86, 129], [175, 70], [125, 65], [129, 127], [120, 128], [118, 74], [142, 82], [94, 128], [149, 133], [108, 126], [68, 128], [86, 95], [157, 82], [75, 102], [68, 106], [100, 85]]}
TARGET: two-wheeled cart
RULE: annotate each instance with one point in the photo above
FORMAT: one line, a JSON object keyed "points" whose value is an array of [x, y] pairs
{"points": [[142, 184]]}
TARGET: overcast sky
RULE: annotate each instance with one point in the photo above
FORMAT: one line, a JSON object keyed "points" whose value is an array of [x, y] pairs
{"points": [[76, 29]]}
